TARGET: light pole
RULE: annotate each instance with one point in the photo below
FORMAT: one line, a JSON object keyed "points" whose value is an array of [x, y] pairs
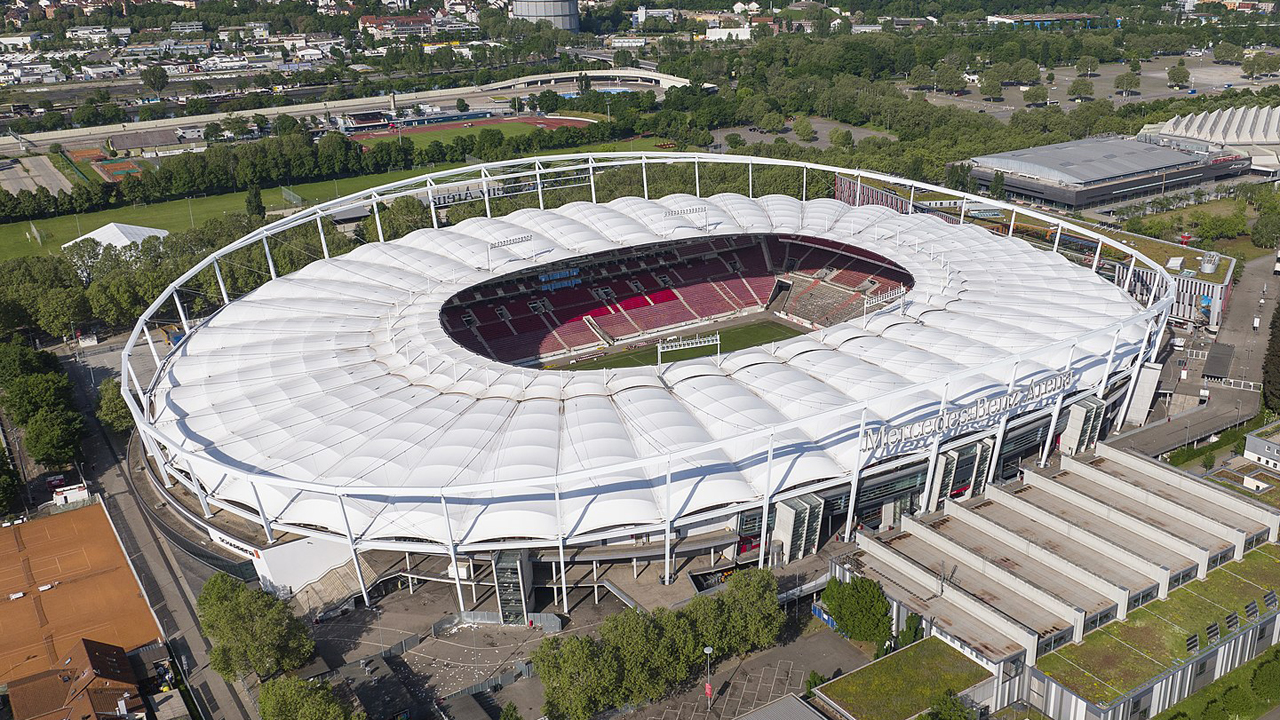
{"points": [[707, 651]]}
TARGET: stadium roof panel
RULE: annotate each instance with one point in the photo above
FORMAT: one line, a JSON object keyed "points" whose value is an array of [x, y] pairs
{"points": [[342, 373], [1087, 161]]}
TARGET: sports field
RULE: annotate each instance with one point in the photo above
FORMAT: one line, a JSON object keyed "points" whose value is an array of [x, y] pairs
{"points": [[734, 338], [445, 132], [89, 591]]}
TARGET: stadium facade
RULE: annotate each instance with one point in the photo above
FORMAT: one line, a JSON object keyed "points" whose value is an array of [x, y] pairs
{"points": [[394, 398]]}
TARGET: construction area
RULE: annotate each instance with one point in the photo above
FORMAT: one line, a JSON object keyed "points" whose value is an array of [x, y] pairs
{"points": [[65, 578]]}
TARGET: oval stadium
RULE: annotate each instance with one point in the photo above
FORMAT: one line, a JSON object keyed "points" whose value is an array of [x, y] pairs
{"points": [[489, 388]]}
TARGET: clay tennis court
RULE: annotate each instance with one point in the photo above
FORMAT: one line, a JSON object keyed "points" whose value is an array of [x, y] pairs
{"points": [[94, 593], [546, 123], [117, 170]]}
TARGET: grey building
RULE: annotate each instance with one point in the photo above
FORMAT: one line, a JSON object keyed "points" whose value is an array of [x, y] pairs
{"points": [[1100, 171], [562, 14]]}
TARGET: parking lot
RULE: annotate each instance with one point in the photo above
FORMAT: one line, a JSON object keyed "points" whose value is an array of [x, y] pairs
{"points": [[29, 173], [1206, 77]]}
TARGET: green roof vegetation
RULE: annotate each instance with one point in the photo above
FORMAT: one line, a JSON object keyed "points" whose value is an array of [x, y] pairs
{"points": [[1121, 656], [904, 683]]}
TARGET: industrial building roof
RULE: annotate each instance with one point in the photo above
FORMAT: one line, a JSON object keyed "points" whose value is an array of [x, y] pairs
{"points": [[342, 373], [1088, 161]]}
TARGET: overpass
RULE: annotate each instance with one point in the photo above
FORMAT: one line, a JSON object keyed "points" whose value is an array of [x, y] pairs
{"points": [[604, 56]]}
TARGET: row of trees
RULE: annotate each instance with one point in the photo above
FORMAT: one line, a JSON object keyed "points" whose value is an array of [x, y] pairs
{"points": [[641, 656], [36, 395], [1249, 698]]}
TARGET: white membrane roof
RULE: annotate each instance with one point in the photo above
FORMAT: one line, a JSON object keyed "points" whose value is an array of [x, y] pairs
{"points": [[341, 374]]}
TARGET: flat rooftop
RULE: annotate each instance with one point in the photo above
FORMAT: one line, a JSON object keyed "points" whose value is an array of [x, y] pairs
{"points": [[1121, 656], [1089, 161], [1193, 503], [1177, 527], [1149, 549], [94, 594], [947, 616], [1061, 545], [1003, 555], [973, 581], [891, 687]]}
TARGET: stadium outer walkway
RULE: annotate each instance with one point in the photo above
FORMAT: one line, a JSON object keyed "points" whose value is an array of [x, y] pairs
{"points": [[1226, 407], [166, 586]]}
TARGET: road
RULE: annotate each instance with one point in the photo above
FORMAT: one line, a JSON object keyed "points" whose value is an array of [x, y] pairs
{"points": [[169, 581], [605, 55], [1226, 407]]}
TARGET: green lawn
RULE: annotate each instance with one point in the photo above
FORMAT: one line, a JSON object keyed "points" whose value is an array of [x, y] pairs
{"points": [[903, 684], [422, 138], [736, 338], [1119, 657], [178, 215]]}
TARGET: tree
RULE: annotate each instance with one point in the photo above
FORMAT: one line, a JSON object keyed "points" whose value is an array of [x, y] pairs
{"points": [[510, 712], [1050, 77], [1179, 76], [10, 487], [291, 698], [1086, 66], [155, 77], [621, 59], [1080, 87], [462, 105], [1266, 681], [61, 309], [112, 410], [1266, 231], [28, 394], [1207, 461], [1135, 66], [734, 140], [841, 138], [251, 630], [1026, 72], [253, 203], [920, 77], [912, 631], [1225, 52], [860, 609], [53, 436], [803, 129], [814, 679], [578, 677], [1127, 83], [950, 707], [948, 78], [1036, 95], [990, 85], [772, 122], [996, 189], [213, 131]]}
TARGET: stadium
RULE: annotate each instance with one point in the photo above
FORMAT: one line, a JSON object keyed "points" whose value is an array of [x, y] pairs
{"points": [[486, 387]]}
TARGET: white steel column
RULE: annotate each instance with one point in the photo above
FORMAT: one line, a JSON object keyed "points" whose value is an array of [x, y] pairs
{"points": [[857, 192], [931, 500], [856, 478], [324, 244], [182, 314], [151, 344], [355, 556], [644, 176], [595, 580], [804, 183], [1133, 375], [377, 219], [484, 188], [666, 553], [271, 264], [911, 201], [1057, 411], [453, 554], [697, 180], [963, 204], [431, 203], [1097, 255], [1111, 358], [204, 500], [1128, 282], [537, 180], [591, 173], [768, 496], [1057, 237], [222, 286], [751, 180], [1013, 220], [564, 589]]}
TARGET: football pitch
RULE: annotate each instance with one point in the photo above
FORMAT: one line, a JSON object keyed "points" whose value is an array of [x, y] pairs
{"points": [[734, 338]]}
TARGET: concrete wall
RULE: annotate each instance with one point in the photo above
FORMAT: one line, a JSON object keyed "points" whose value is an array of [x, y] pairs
{"points": [[1134, 525], [1097, 543], [1196, 487], [286, 568], [1230, 534], [1054, 604], [1117, 594]]}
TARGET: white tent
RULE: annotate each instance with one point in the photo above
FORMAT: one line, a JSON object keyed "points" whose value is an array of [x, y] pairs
{"points": [[120, 234]]}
